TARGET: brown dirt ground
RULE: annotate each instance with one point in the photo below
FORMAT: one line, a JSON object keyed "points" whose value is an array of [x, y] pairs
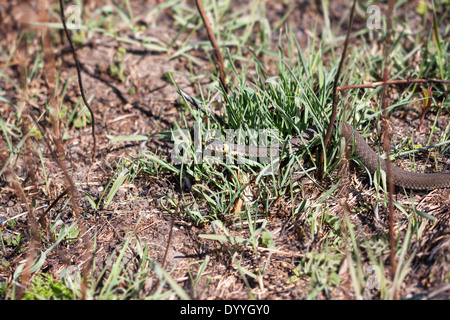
{"points": [[155, 107]]}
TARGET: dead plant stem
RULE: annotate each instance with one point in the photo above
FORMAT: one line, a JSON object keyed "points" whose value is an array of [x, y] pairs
{"points": [[80, 81], [212, 39]]}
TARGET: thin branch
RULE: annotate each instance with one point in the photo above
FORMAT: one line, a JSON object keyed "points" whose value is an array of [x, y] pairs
{"points": [[80, 82], [44, 213], [60, 162], [390, 82], [212, 39], [169, 239], [390, 178]]}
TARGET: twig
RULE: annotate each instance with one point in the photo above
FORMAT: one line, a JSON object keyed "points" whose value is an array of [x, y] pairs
{"points": [[169, 239], [34, 235], [44, 213], [15, 182], [212, 39], [80, 82], [49, 73], [390, 178], [390, 82], [71, 189]]}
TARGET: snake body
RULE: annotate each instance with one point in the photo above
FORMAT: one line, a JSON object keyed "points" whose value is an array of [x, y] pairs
{"points": [[402, 178]]}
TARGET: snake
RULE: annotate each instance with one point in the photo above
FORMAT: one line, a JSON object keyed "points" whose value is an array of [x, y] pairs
{"points": [[402, 178], [368, 157]]}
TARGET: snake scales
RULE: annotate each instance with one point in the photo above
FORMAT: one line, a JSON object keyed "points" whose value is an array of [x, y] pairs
{"points": [[402, 178]]}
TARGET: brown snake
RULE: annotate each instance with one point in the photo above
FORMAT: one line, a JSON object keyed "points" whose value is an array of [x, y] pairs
{"points": [[402, 178]]}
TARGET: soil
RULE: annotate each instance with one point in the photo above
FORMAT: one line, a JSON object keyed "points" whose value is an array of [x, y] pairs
{"points": [[145, 102]]}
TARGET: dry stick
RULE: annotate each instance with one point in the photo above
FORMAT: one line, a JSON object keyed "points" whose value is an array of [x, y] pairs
{"points": [[169, 240], [73, 194], [33, 244], [18, 187], [71, 189], [49, 73], [390, 82], [335, 95], [212, 39], [58, 153], [44, 213], [85, 238], [390, 178], [80, 82], [16, 183]]}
